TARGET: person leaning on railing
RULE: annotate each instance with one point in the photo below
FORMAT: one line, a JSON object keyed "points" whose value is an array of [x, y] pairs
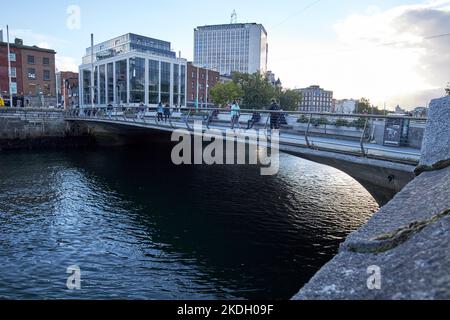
{"points": [[274, 116]]}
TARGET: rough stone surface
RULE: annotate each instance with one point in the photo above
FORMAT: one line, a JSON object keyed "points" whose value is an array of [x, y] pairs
{"points": [[416, 266], [436, 144]]}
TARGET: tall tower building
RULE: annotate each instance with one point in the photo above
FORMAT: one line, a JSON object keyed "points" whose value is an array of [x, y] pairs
{"points": [[227, 48]]}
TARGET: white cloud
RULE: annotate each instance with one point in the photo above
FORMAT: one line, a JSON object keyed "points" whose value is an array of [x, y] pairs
{"points": [[41, 40], [383, 55], [66, 63]]}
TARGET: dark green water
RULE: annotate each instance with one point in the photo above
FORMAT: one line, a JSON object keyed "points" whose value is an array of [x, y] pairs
{"points": [[142, 228]]}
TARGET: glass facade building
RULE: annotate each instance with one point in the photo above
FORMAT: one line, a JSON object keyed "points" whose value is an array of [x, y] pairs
{"points": [[130, 70], [227, 48]]}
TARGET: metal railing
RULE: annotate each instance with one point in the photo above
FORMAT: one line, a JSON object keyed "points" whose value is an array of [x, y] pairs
{"points": [[347, 133]]}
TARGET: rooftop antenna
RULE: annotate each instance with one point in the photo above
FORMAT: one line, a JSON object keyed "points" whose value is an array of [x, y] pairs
{"points": [[233, 17]]}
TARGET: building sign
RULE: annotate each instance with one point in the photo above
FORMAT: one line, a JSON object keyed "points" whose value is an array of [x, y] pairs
{"points": [[393, 132]]}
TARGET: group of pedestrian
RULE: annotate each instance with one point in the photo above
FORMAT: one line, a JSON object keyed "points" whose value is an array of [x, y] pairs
{"points": [[163, 112], [275, 116]]}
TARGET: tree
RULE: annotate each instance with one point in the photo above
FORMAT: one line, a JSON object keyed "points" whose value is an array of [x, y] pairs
{"points": [[289, 99], [258, 92], [447, 90], [363, 106], [222, 93]]}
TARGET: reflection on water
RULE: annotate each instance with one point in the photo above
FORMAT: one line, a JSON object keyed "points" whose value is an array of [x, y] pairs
{"points": [[141, 228]]}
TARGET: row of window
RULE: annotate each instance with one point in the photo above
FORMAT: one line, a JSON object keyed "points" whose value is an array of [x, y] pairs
{"points": [[30, 59], [31, 74], [113, 88]]}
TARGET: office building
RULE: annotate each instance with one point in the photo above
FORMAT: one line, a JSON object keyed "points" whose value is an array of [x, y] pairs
{"points": [[228, 48], [345, 106], [130, 70]]}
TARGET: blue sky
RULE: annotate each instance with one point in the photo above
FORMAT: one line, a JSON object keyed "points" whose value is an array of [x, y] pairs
{"points": [[295, 36]]}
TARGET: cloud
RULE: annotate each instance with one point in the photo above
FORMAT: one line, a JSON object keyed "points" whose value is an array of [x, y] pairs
{"points": [[385, 55], [41, 40], [66, 63], [406, 56]]}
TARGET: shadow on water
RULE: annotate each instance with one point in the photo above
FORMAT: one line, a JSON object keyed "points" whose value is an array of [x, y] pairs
{"points": [[190, 232]]}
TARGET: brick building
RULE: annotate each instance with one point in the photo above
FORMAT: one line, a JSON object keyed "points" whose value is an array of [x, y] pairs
{"points": [[316, 99], [68, 88], [32, 73], [199, 82]]}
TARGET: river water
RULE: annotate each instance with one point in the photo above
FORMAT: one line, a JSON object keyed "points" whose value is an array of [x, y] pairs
{"points": [[139, 227]]}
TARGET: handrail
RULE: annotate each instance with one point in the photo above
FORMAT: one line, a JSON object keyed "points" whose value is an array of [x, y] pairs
{"points": [[251, 111]]}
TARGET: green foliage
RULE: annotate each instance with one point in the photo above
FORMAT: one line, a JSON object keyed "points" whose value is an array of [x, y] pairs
{"points": [[342, 123], [320, 121], [257, 90], [289, 99], [447, 90], [359, 123], [364, 106], [303, 119], [222, 93]]}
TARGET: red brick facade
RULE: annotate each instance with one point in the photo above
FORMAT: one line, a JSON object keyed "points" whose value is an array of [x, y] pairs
{"points": [[68, 88], [213, 78], [34, 70]]}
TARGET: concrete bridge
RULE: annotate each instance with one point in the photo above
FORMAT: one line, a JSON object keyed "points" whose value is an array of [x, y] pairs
{"points": [[358, 151]]}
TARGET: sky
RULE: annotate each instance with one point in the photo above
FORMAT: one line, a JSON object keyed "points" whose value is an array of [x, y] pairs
{"points": [[394, 52]]}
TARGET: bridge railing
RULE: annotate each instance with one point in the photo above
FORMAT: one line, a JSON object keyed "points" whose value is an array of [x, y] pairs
{"points": [[362, 134]]}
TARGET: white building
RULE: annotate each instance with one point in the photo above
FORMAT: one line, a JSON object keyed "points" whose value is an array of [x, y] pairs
{"points": [[228, 48], [130, 70], [345, 106]]}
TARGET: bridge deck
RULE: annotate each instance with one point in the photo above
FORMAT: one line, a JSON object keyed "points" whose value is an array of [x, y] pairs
{"points": [[395, 154]]}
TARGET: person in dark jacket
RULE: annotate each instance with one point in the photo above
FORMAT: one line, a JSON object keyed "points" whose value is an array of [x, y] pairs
{"points": [[166, 112], [274, 116]]}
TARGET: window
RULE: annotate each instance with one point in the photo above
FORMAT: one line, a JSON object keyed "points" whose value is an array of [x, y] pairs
{"points": [[165, 82], [121, 81], [12, 57], [110, 76], [13, 72], [153, 88], [137, 80], [46, 61], [47, 75], [30, 59], [86, 87], [175, 85], [102, 75], [31, 74]]}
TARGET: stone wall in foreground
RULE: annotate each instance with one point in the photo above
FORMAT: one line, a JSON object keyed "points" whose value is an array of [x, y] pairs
{"points": [[403, 251]]}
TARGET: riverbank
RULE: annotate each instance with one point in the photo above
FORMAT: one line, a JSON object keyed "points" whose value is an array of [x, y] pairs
{"points": [[27, 128]]}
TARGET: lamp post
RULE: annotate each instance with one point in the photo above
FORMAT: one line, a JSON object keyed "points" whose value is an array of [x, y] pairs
{"points": [[9, 68]]}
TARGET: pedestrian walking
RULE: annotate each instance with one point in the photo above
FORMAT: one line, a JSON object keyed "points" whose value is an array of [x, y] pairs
{"points": [[160, 111], [235, 114]]}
